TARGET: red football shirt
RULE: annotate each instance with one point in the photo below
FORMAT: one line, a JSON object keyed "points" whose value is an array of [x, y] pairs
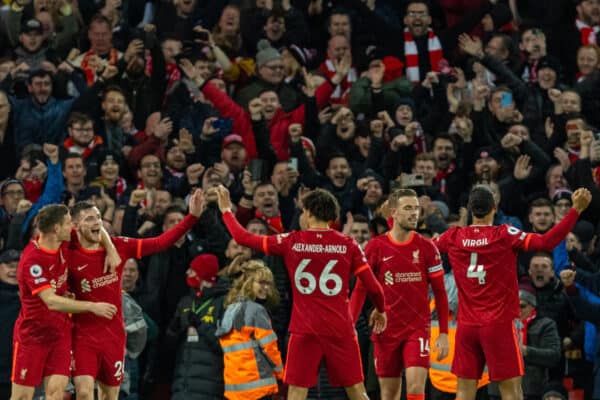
{"points": [[89, 283], [484, 261], [404, 270], [40, 269], [319, 263]]}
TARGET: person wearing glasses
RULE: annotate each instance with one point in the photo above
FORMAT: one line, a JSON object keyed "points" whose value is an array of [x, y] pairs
{"points": [[83, 140]]}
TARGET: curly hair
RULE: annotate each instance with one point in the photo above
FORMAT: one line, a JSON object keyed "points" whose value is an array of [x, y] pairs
{"points": [[241, 289]]}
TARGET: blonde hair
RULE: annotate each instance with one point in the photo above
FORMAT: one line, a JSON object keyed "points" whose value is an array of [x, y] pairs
{"points": [[253, 271]]}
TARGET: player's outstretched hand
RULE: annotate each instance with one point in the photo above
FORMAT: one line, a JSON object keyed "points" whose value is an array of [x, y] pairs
{"points": [[378, 321], [223, 199], [441, 346], [581, 199], [197, 203], [104, 310], [567, 277]]}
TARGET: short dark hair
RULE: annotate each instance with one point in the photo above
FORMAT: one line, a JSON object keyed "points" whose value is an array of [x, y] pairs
{"points": [[38, 73], [99, 19], [79, 207], [481, 201], [544, 254], [73, 155], [78, 118], [396, 195], [174, 209], [322, 205], [425, 2], [541, 202], [51, 215], [113, 88], [360, 219]]}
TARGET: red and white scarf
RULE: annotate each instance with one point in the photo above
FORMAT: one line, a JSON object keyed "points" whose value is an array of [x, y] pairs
{"points": [[588, 33], [341, 93], [525, 323], [411, 54], [90, 71], [275, 224]]}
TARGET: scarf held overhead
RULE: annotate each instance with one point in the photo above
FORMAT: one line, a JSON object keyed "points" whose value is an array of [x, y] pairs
{"points": [[411, 54]]}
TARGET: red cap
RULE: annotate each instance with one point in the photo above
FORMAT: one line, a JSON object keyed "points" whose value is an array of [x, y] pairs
{"points": [[232, 138], [206, 267]]}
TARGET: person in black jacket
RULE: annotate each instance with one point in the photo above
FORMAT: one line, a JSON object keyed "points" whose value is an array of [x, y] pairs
{"points": [[198, 373], [9, 311]]}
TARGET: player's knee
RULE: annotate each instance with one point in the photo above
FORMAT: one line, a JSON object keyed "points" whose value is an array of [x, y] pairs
{"points": [[21, 396], [84, 391]]}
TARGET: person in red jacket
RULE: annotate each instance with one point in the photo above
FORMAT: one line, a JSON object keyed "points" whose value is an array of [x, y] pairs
{"points": [[271, 111]]}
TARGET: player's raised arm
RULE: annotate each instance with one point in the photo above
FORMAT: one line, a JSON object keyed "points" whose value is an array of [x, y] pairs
{"points": [[55, 302], [168, 238], [581, 199], [112, 259], [239, 234]]}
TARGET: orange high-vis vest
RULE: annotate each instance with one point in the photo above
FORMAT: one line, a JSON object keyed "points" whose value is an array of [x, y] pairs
{"points": [[440, 371], [251, 357]]}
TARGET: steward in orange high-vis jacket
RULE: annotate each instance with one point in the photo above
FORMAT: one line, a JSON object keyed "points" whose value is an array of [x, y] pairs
{"points": [[250, 353]]}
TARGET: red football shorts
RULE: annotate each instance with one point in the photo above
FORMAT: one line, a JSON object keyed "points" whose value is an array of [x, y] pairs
{"points": [[392, 356], [341, 355], [33, 362], [105, 364], [495, 344]]}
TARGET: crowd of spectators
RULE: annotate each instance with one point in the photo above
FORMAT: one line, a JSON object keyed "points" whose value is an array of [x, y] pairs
{"points": [[148, 100]]}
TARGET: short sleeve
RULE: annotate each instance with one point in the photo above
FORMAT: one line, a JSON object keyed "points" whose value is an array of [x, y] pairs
{"points": [[516, 238], [37, 279], [276, 244]]}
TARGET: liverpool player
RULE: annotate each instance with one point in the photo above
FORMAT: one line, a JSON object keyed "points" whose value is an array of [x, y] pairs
{"points": [[42, 334], [319, 261], [98, 345], [484, 260], [405, 264]]}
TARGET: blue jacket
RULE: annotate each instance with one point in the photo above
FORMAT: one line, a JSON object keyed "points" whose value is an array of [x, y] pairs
{"points": [[37, 123], [52, 192]]}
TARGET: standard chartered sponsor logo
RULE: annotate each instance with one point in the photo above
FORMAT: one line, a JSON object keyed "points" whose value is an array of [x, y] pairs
{"points": [[85, 286], [389, 278]]}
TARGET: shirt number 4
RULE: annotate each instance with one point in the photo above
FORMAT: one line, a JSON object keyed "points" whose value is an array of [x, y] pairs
{"points": [[476, 271]]}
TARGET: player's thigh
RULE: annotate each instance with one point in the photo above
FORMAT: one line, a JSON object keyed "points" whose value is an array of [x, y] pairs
{"points": [[86, 359], [304, 355], [502, 351], [387, 357], [416, 350], [60, 359], [342, 359], [390, 388], [469, 358], [55, 386], [84, 387], [21, 392], [28, 364], [106, 392], [112, 365], [511, 389]]}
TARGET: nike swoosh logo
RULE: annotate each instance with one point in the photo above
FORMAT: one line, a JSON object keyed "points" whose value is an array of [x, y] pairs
{"points": [[387, 258], [82, 267]]}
